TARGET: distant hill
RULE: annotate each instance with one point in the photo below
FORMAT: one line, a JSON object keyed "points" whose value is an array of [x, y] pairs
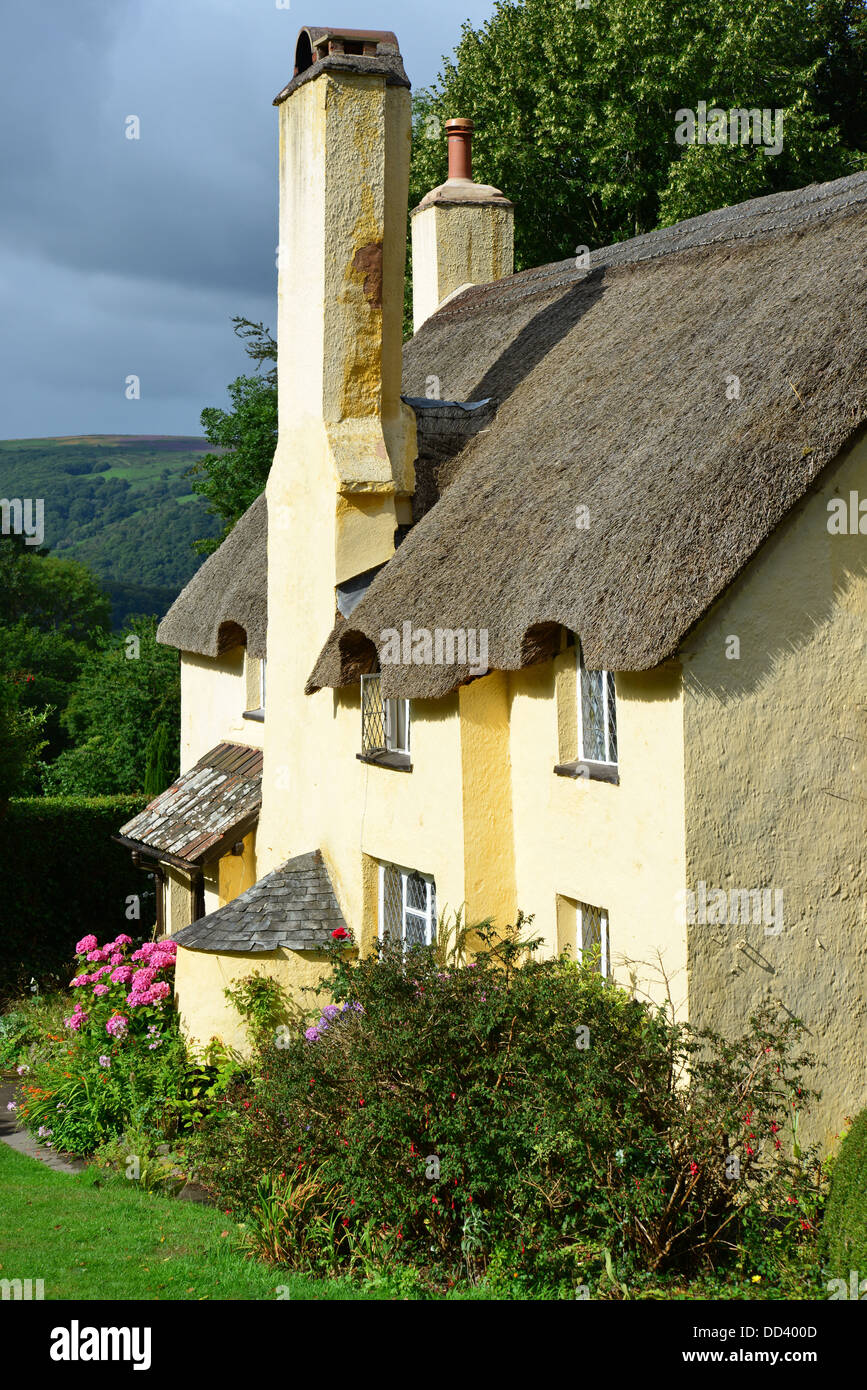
{"points": [[120, 504]]}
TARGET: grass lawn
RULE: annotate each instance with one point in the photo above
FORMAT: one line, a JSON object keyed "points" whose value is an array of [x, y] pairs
{"points": [[88, 1239]]}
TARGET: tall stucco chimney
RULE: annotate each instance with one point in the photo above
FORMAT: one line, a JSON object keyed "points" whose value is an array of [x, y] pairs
{"points": [[345, 134], [343, 475], [462, 232]]}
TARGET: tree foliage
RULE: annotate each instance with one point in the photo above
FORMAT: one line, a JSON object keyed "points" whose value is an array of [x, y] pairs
{"points": [[126, 691], [575, 109], [246, 436]]}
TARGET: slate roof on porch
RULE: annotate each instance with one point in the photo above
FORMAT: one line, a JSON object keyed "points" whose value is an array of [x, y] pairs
{"points": [[218, 798], [292, 907]]}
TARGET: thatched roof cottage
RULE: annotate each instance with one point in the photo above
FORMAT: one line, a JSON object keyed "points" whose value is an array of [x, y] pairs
{"points": [[563, 605]]}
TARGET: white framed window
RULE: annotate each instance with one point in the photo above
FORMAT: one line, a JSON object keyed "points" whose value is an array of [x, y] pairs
{"points": [[593, 937], [407, 906], [597, 716], [384, 723]]}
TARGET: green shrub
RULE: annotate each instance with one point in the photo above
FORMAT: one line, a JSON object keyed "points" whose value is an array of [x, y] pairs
{"points": [[526, 1108], [63, 876], [845, 1226]]}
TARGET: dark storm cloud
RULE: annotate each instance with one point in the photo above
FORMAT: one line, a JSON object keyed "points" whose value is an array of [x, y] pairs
{"points": [[126, 256]]}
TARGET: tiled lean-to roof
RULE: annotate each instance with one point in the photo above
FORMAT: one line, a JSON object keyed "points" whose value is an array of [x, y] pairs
{"points": [[294, 907], [216, 801]]}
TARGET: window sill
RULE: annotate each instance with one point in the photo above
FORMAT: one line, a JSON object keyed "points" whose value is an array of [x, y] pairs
{"points": [[589, 771], [257, 714], [398, 762]]}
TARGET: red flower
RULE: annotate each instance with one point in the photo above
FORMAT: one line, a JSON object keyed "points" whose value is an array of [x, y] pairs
{"points": [[340, 934], [693, 1168]]}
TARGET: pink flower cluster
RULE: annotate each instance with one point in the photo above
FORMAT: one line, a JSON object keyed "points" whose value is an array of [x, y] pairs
{"points": [[112, 969], [76, 1020]]}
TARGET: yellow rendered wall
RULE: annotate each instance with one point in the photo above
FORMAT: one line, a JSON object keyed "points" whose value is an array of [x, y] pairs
{"points": [[615, 847], [201, 977], [178, 900], [776, 789], [213, 699], [237, 872], [457, 245]]}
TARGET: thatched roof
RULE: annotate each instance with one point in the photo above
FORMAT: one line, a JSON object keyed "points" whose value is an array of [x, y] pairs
{"points": [[294, 907], [192, 821], [612, 392], [226, 602]]}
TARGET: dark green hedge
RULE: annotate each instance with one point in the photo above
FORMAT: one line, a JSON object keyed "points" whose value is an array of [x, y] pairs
{"points": [[61, 877], [845, 1225]]}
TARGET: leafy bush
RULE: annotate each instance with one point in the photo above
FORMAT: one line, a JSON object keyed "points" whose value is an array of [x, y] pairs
{"points": [[525, 1110], [63, 876], [845, 1227]]}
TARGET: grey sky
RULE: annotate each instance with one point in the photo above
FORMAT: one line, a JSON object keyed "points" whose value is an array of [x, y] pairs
{"points": [[126, 256]]}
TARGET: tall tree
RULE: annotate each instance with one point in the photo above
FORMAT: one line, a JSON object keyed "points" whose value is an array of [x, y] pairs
{"points": [[246, 436], [20, 745], [128, 688], [52, 613], [575, 109]]}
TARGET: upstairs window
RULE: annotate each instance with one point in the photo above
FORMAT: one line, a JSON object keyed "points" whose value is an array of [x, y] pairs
{"points": [[597, 716], [384, 725], [407, 906]]}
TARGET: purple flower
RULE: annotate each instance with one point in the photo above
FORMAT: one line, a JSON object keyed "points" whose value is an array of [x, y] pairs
{"points": [[104, 1061], [117, 1025], [44, 1132], [11, 1105], [312, 1034], [22, 1070]]}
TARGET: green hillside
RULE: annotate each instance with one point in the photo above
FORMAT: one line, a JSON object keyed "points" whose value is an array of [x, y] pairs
{"points": [[120, 504]]}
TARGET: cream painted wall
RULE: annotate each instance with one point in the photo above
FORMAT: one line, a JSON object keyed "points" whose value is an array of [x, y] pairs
{"points": [[458, 244], [617, 847], [776, 788], [200, 979], [214, 692], [178, 900]]}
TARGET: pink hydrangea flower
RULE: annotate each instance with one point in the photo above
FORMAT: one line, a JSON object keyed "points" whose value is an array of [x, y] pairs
{"points": [[96, 955], [100, 989], [122, 975], [117, 1025], [75, 1022], [78, 981], [142, 979], [116, 958], [122, 940], [160, 990], [87, 943]]}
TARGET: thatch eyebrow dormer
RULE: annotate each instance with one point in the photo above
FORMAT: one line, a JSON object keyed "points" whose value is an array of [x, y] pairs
{"points": [[225, 603]]}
